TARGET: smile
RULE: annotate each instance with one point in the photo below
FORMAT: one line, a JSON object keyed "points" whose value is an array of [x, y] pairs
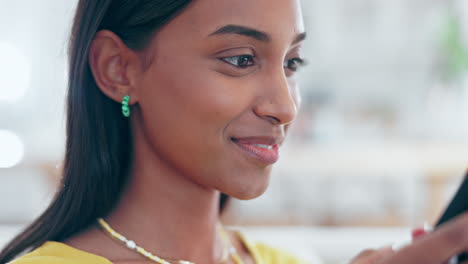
{"points": [[265, 152], [263, 146]]}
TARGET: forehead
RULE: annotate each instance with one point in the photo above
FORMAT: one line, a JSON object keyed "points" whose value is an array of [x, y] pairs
{"points": [[281, 19]]}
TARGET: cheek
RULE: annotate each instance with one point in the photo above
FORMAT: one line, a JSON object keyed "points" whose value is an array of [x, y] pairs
{"points": [[193, 93], [186, 110], [180, 102]]}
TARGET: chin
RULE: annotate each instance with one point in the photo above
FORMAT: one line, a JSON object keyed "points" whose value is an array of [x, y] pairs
{"points": [[249, 191]]}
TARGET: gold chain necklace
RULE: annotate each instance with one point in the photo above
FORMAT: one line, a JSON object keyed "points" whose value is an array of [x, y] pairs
{"points": [[232, 252]]}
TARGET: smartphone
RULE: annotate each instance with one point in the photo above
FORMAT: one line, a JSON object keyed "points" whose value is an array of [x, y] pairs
{"points": [[457, 206]]}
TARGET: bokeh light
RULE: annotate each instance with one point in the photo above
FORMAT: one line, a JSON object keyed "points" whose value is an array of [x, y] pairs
{"points": [[12, 149], [15, 73]]}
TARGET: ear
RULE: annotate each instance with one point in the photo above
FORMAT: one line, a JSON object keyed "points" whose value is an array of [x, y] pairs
{"points": [[111, 63]]}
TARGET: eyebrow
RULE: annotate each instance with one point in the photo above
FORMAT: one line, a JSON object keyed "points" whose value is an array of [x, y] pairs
{"points": [[252, 33]]}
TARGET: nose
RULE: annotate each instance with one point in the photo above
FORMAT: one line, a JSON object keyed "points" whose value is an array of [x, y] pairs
{"points": [[277, 103]]}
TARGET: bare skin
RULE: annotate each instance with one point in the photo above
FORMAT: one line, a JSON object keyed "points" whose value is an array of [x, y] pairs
{"points": [[191, 95]]}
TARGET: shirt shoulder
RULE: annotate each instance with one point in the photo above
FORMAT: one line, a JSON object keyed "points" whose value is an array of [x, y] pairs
{"points": [[59, 253], [266, 254]]}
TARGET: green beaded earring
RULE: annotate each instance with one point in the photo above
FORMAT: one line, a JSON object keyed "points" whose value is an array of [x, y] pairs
{"points": [[125, 107]]}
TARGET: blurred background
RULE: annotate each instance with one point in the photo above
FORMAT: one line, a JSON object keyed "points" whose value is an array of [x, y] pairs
{"points": [[379, 147]]}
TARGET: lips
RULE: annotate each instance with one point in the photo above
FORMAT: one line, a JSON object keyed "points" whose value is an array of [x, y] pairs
{"points": [[263, 149]]}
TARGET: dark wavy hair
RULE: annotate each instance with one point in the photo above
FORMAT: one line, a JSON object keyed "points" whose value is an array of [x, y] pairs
{"points": [[99, 142]]}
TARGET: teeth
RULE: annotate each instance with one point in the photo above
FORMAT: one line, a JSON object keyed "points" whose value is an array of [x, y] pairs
{"points": [[263, 146]]}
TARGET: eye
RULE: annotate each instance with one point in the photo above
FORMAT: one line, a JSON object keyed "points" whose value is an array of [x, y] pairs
{"points": [[242, 61], [294, 64]]}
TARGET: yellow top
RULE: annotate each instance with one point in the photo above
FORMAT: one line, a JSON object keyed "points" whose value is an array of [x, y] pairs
{"points": [[53, 252]]}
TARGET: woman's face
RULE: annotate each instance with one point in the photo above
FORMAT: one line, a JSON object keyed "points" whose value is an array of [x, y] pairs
{"points": [[219, 95]]}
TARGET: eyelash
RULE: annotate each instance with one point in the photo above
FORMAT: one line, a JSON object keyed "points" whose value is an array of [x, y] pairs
{"points": [[299, 61]]}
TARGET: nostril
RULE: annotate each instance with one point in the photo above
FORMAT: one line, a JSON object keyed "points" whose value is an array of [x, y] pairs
{"points": [[273, 119]]}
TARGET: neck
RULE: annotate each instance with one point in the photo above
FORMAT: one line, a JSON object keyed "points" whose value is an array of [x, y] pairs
{"points": [[166, 213]]}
